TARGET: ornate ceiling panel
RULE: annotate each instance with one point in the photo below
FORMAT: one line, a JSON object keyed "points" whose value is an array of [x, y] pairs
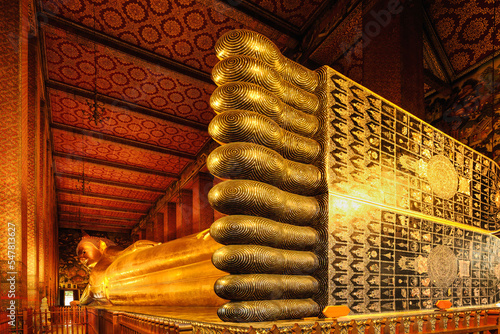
{"points": [[73, 110], [97, 221], [70, 209], [465, 29], [185, 31], [71, 59], [65, 183], [296, 12], [67, 142], [107, 173], [95, 201]]}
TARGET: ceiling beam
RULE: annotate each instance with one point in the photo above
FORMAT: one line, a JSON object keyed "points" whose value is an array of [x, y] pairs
{"points": [[101, 207], [435, 83], [121, 141], [110, 183], [83, 216], [114, 164], [53, 84], [118, 198], [125, 47], [268, 18], [93, 227]]}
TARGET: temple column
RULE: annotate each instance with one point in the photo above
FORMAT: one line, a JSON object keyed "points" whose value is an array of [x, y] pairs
{"points": [[33, 119], [14, 28], [392, 52], [150, 231], [184, 224], [158, 227], [170, 227], [203, 214]]}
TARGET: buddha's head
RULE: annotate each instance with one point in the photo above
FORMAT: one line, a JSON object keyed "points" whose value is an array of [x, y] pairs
{"points": [[90, 249]]}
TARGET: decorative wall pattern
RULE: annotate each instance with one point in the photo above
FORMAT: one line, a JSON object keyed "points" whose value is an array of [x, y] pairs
{"points": [[66, 142], [409, 209], [70, 110], [94, 201], [72, 274], [104, 213], [382, 261], [65, 183], [75, 167], [185, 31], [465, 29], [295, 12], [472, 110], [380, 153], [64, 218], [71, 59]]}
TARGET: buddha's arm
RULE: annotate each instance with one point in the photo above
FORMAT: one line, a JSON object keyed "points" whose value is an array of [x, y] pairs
{"points": [[86, 297]]}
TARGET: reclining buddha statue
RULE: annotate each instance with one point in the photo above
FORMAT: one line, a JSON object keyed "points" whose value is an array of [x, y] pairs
{"points": [[333, 196]]}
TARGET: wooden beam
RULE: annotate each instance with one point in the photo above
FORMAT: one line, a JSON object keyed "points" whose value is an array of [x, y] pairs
{"points": [[435, 83], [82, 215], [121, 141], [102, 207], [110, 183], [94, 227], [114, 164], [269, 19], [125, 47], [118, 198], [53, 84]]}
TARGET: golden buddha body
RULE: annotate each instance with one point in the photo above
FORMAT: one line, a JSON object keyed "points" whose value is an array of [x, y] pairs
{"points": [[139, 274]]}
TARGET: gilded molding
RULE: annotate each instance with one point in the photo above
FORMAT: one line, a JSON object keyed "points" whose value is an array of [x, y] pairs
{"points": [[255, 162], [239, 229], [247, 69], [237, 197], [247, 96], [248, 43], [248, 126], [262, 287]]}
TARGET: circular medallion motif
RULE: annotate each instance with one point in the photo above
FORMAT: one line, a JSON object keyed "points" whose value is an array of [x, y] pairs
{"points": [[442, 176], [442, 266]]}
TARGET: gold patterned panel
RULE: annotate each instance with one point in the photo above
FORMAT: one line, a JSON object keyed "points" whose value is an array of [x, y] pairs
{"points": [[247, 96], [255, 162], [247, 69], [248, 43], [381, 154], [237, 197], [247, 126]]}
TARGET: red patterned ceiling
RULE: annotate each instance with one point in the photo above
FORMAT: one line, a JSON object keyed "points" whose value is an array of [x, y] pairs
{"points": [[67, 142], [70, 110], [71, 59], [96, 221], [465, 29], [296, 12], [94, 201], [71, 209], [185, 31], [106, 173], [94, 188]]}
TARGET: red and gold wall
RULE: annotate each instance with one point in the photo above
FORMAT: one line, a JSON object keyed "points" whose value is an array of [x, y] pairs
{"points": [[27, 197]]}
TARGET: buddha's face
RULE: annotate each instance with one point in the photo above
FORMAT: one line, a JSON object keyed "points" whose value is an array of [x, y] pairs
{"points": [[88, 254]]}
